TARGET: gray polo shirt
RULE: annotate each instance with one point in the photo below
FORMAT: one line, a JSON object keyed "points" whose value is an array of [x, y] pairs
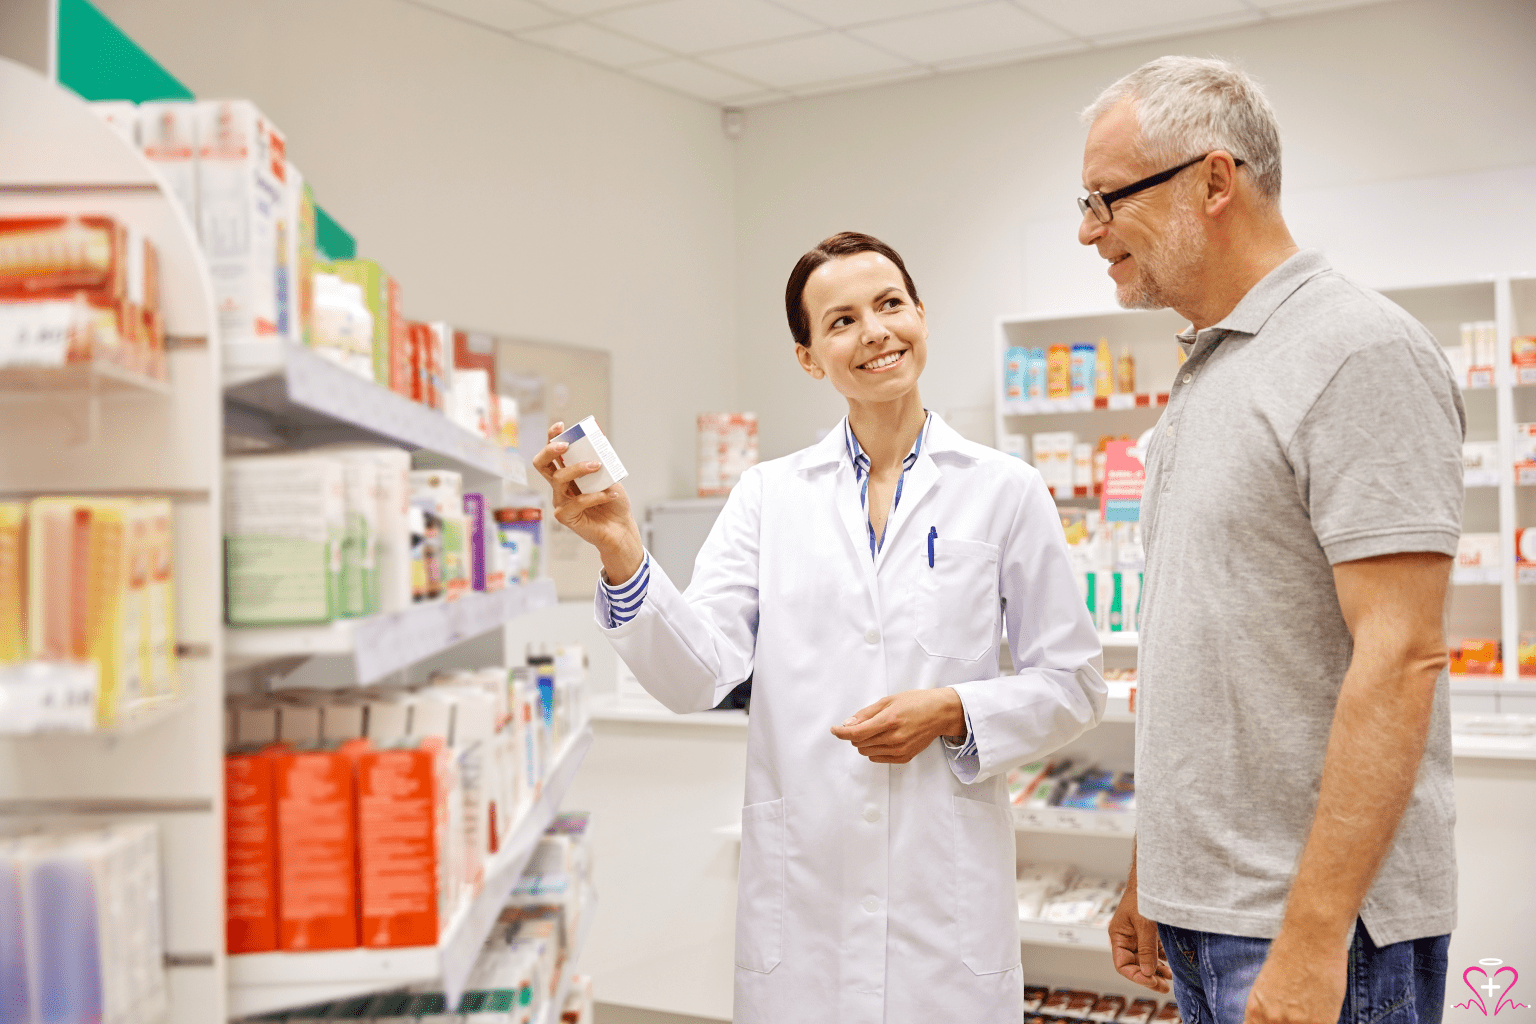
{"points": [[1318, 423]]}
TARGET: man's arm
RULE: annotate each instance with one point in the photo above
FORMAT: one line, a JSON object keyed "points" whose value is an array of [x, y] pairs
{"points": [[1394, 606], [1133, 941]]}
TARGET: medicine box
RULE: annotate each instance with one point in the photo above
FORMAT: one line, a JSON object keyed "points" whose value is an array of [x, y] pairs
{"points": [[284, 519], [241, 190]]}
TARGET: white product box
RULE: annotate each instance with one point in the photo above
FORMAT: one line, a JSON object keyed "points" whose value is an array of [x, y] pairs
{"points": [[1082, 468], [1053, 458], [1480, 461], [241, 184], [391, 518], [1478, 552], [289, 323], [588, 444], [1016, 445], [168, 139]]}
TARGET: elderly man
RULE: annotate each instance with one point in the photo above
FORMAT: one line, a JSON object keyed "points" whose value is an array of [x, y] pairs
{"points": [[1302, 506]]}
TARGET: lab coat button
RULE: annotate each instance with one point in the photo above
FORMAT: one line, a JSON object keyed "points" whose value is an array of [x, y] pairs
{"points": [[871, 813], [873, 636], [871, 904], [1188, 377]]}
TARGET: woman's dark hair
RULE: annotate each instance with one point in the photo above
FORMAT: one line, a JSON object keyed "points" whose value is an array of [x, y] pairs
{"points": [[844, 243]]}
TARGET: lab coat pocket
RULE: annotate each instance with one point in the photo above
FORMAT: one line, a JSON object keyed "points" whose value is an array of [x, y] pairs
{"points": [[957, 599], [760, 887], [988, 910]]}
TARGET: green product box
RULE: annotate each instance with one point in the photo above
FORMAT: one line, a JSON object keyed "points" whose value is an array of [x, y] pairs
{"points": [[278, 581], [374, 281]]}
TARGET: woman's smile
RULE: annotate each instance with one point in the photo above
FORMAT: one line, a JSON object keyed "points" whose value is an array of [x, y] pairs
{"points": [[883, 363]]}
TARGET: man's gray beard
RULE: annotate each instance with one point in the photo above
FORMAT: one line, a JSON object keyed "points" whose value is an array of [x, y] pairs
{"points": [[1167, 267]]}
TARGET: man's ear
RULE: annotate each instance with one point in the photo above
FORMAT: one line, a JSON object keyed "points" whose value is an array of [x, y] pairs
{"points": [[1220, 176], [808, 362]]}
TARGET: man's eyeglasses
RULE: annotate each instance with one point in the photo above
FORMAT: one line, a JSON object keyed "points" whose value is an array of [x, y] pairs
{"points": [[1100, 202]]}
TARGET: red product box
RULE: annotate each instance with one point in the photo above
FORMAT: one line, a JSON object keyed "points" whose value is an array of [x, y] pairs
{"points": [[401, 813], [316, 850], [60, 257], [1140, 1012], [478, 352], [250, 853], [1169, 1014]]}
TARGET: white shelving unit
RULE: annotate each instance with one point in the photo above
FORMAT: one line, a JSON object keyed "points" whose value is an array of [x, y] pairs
{"points": [[552, 1009], [263, 982], [97, 429], [1047, 933], [382, 644]]}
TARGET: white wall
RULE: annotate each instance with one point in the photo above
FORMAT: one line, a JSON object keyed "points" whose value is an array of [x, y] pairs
{"points": [[973, 177], [508, 188]]}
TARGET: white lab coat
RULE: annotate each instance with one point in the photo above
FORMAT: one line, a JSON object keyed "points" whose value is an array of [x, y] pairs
{"points": [[874, 893]]}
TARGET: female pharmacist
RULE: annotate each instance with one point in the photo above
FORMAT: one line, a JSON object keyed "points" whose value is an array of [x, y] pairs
{"points": [[864, 582]]}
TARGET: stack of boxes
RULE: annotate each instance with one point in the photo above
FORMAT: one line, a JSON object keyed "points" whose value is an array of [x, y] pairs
{"points": [[1044, 1006], [345, 531], [80, 915], [226, 165], [79, 289], [87, 582], [367, 817]]}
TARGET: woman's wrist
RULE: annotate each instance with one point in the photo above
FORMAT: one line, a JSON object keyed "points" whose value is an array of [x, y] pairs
{"points": [[622, 560]]}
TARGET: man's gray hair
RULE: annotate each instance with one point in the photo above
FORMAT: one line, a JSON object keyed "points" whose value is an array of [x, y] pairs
{"points": [[1186, 106]]}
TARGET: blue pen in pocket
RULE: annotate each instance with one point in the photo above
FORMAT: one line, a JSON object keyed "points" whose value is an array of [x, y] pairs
{"points": [[933, 535]]}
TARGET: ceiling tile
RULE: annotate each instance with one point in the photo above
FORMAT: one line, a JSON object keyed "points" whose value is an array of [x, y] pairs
{"points": [[695, 79], [964, 32], [593, 43], [1117, 17], [856, 12], [697, 26], [581, 8], [506, 15], [791, 62], [983, 60], [860, 81], [1286, 8]]}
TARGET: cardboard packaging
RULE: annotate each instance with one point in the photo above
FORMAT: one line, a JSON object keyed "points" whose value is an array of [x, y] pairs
{"points": [[391, 342], [250, 852], [241, 185], [316, 850], [13, 574], [284, 519], [402, 824], [168, 139], [727, 448]]}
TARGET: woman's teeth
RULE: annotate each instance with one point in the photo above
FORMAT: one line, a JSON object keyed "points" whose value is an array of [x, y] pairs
{"points": [[882, 362]]}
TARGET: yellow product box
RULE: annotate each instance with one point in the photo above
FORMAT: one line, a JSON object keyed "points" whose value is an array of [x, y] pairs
{"points": [[13, 567]]}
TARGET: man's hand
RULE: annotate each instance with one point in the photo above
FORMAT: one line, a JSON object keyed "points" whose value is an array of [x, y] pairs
{"points": [[894, 730], [1299, 986], [1133, 942], [602, 518]]}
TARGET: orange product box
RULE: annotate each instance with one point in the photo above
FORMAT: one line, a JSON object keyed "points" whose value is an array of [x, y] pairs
{"points": [[1477, 657], [401, 821], [316, 850], [250, 853], [60, 257], [478, 352], [419, 356], [399, 344]]}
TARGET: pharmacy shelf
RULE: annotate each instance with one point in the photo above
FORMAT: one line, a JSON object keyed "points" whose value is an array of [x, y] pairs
{"points": [[265, 982], [617, 709], [1121, 703], [99, 377], [1047, 933], [1075, 822], [1082, 403], [299, 392], [1107, 639], [550, 1014], [1494, 736], [381, 644], [1476, 576]]}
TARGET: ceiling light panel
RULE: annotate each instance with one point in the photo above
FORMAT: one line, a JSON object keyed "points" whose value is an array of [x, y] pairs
{"points": [[698, 26], [1116, 17], [506, 15], [596, 44], [964, 32], [792, 62], [841, 13], [695, 79]]}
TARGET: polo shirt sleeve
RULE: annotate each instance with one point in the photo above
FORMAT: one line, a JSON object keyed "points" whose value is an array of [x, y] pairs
{"points": [[1378, 456]]}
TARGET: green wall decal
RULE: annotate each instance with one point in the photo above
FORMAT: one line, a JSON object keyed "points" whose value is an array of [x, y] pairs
{"points": [[332, 241], [99, 62]]}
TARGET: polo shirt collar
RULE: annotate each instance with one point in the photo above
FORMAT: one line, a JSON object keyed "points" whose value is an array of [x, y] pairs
{"points": [[1254, 309]]}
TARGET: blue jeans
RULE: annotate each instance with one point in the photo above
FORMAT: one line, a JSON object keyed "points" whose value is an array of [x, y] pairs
{"points": [[1403, 983]]}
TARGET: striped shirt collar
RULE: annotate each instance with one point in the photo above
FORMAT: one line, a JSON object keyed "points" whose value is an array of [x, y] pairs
{"points": [[860, 461]]}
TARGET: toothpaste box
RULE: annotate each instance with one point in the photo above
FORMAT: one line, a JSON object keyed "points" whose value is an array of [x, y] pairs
{"points": [[241, 186]]}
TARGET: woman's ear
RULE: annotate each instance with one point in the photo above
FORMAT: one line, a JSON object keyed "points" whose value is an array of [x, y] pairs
{"points": [[808, 362]]}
